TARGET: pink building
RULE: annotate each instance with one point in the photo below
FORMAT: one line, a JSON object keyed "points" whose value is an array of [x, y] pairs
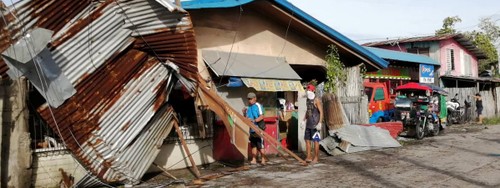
{"points": [[457, 55]]}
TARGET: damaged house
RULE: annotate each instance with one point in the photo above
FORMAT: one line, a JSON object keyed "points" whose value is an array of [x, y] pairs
{"points": [[100, 76]]}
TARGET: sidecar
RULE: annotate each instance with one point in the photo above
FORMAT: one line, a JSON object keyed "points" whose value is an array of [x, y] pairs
{"points": [[421, 108]]}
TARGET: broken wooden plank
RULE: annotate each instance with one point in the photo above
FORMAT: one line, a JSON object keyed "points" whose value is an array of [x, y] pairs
{"points": [[165, 171]]}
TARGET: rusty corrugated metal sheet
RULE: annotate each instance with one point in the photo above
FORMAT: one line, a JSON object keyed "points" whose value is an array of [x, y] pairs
{"points": [[116, 120], [48, 14]]}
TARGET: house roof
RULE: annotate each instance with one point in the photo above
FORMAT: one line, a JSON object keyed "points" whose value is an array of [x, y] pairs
{"points": [[301, 15], [460, 38], [402, 56]]}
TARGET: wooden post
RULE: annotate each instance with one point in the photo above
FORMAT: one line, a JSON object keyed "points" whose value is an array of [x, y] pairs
{"points": [[186, 149], [199, 119]]}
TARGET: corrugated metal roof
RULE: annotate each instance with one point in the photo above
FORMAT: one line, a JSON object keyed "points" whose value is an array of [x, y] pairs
{"points": [[460, 38], [248, 65], [118, 118], [201, 4], [308, 19], [402, 56]]}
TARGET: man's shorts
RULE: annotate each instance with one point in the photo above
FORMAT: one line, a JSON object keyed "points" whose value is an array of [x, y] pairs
{"points": [[312, 134], [479, 110], [256, 141]]}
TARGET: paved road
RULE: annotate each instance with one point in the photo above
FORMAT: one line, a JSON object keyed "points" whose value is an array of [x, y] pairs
{"points": [[465, 156]]}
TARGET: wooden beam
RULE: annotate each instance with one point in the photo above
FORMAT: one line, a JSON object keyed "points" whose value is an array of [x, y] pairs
{"points": [[199, 119], [186, 149]]}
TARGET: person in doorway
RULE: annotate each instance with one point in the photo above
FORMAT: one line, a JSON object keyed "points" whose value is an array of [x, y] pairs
{"points": [[255, 113], [312, 121], [479, 108]]}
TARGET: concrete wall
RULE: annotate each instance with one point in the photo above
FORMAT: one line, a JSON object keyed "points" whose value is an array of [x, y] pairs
{"points": [[255, 34], [47, 165], [15, 142], [172, 156]]}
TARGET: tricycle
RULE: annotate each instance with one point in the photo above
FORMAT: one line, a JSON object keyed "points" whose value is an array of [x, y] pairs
{"points": [[421, 108]]}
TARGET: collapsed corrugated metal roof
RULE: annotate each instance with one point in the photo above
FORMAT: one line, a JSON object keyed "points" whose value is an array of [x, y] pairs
{"points": [[113, 52]]}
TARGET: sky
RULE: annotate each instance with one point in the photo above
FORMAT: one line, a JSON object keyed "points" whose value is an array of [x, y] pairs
{"points": [[375, 20]]}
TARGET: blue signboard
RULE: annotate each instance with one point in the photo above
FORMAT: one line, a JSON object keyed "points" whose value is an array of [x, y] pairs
{"points": [[426, 73]]}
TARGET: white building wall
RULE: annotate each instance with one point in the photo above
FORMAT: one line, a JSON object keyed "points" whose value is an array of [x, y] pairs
{"points": [[172, 156], [47, 165]]}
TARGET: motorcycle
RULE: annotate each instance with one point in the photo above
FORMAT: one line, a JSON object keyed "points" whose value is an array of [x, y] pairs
{"points": [[426, 124], [455, 111], [417, 111]]}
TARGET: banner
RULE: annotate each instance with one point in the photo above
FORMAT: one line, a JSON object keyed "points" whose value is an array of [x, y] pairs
{"points": [[260, 84], [396, 73]]}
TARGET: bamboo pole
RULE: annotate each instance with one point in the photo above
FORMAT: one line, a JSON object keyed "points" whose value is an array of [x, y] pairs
{"points": [[186, 149]]}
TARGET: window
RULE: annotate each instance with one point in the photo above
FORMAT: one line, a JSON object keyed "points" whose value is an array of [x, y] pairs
{"points": [[468, 65], [379, 94], [368, 92], [420, 51], [450, 59]]}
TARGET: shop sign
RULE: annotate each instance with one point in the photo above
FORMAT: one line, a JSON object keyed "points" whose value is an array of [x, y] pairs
{"points": [[272, 84], [426, 73]]}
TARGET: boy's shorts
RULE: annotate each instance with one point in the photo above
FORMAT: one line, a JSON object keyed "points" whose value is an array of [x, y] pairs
{"points": [[312, 134]]}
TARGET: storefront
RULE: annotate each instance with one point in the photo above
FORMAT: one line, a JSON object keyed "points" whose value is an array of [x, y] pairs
{"points": [[403, 68], [393, 76], [274, 82]]}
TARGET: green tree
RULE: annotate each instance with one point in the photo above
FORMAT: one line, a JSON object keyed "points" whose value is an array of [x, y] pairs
{"points": [[449, 25], [490, 29], [485, 44], [485, 38]]}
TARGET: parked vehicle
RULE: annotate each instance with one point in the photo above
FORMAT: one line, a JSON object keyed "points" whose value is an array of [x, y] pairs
{"points": [[421, 108], [456, 112], [380, 103]]}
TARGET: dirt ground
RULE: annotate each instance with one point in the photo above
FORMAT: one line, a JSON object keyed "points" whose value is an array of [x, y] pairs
{"points": [[464, 156]]}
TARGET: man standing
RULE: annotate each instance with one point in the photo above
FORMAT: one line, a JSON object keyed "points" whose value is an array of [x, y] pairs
{"points": [[255, 113], [479, 108], [313, 119]]}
